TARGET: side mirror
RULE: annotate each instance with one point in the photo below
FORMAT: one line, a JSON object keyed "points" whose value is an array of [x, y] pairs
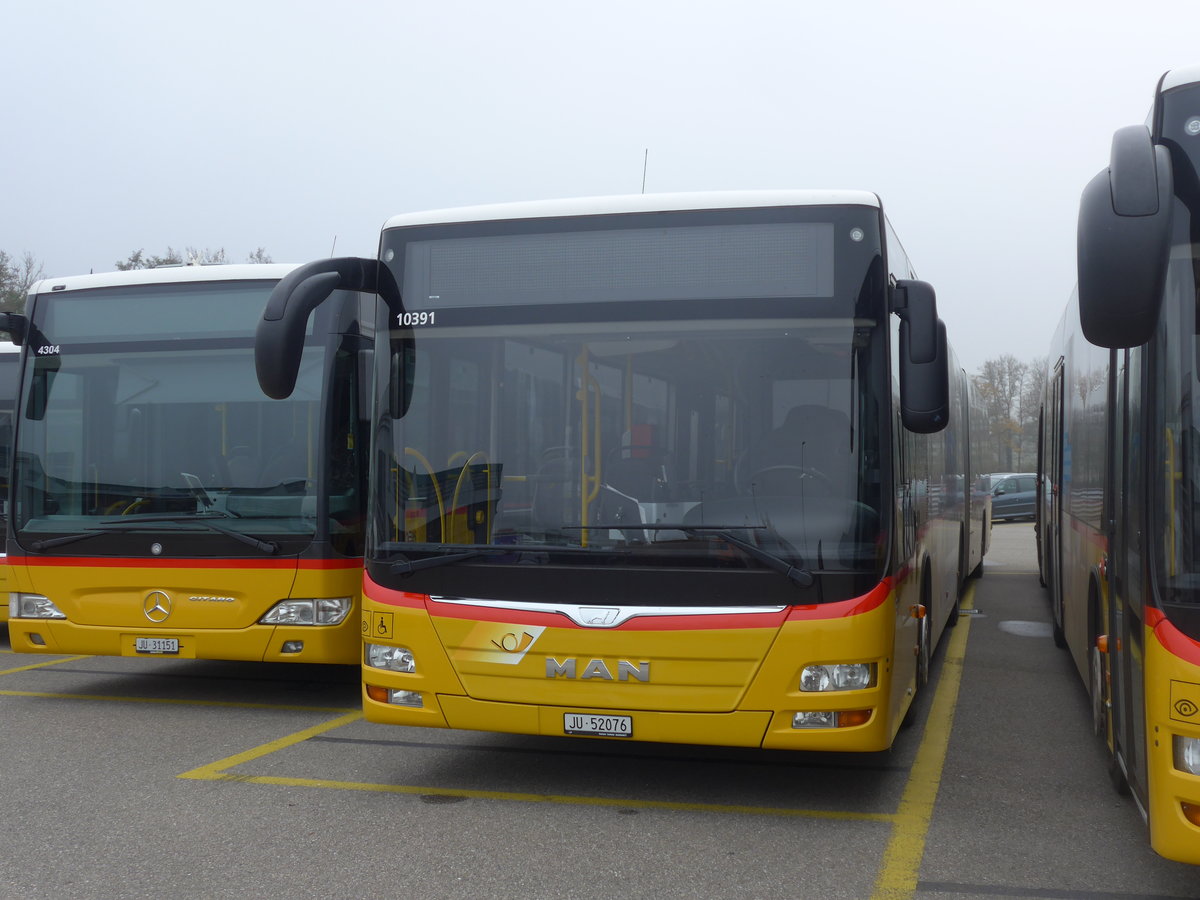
{"points": [[1124, 240], [279, 338], [924, 358], [16, 325]]}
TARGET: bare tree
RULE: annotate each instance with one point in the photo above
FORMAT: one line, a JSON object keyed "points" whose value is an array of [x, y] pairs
{"points": [[16, 278], [999, 385]]}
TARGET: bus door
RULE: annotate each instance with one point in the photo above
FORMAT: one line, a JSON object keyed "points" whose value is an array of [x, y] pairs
{"points": [[1127, 579], [1055, 430]]}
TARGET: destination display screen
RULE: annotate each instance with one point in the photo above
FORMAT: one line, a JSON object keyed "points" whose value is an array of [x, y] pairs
{"points": [[700, 262]]}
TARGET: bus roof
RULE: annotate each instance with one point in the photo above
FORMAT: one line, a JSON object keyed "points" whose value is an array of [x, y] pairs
{"points": [[633, 203], [1181, 76], [164, 275]]}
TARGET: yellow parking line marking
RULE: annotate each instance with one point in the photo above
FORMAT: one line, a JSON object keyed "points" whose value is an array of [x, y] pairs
{"points": [[901, 866], [213, 771], [218, 771], [565, 799], [42, 665], [229, 704]]}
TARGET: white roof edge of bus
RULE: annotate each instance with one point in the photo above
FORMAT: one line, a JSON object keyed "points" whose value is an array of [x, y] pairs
{"points": [[164, 275], [634, 203], [1181, 76]]}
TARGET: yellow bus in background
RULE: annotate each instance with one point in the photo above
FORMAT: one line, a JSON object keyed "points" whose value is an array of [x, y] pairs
{"points": [[161, 505], [9, 360], [1119, 511], [681, 468]]}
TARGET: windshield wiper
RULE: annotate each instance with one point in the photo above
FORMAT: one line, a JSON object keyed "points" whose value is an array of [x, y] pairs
{"points": [[111, 527], [406, 566], [797, 574], [39, 546], [202, 518]]}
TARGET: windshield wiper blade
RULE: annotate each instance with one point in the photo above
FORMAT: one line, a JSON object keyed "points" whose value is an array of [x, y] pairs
{"points": [[405, 566], [203, 519], [797, 574], [39, 546]]}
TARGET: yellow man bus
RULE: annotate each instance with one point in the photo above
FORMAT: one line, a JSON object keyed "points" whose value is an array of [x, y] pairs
{"points": [[682, 468], [161, 504], [1119, 517]]}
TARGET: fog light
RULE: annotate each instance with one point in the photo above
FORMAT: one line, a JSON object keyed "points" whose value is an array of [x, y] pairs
{"points": [[396, 698], [32, 606], [405, 698], [815, 720], [326, 611], [292, 646], [1191, 812], [840, 677], [841, 718], [37, 639], [394, 659], [1187, 754]]}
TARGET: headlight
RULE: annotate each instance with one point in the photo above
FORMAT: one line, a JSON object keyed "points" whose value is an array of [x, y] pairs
{"points": [[394, 659], [32, 606], [842, 677], [1187, 754], [329, 611]]}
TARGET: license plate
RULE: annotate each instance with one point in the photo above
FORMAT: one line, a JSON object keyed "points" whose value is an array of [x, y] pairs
{"points": [[597, 725], [156, 645]]}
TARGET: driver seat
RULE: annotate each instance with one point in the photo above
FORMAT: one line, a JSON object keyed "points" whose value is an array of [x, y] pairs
{"points": [[811, 437]]}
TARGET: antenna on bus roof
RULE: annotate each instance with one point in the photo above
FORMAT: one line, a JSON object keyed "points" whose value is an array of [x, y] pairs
{"points": [[645, 163], [334, 247]]}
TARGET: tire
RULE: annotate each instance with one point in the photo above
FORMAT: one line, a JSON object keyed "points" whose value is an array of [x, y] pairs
{"points": [[924, 653]]}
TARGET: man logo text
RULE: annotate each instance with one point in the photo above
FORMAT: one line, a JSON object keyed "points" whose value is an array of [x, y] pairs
{"points": [[597, 668]]}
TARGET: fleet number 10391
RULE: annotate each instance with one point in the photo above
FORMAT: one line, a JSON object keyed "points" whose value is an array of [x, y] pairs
{"points": [[416, 319]]}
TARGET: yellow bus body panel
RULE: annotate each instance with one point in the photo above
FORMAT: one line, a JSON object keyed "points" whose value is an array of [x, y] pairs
{"points": [[735, 686], [1172, 708], [214, 609]]}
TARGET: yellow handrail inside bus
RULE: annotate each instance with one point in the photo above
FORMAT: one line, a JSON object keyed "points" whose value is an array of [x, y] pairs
{"points": [[462, 475], [437, 491]]}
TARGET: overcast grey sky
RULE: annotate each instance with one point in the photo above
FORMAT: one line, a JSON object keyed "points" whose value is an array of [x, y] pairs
{"points": [[292, 125]]}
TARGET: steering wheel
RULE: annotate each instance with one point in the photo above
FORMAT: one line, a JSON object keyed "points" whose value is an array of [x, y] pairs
{"points": [[800, 473]]}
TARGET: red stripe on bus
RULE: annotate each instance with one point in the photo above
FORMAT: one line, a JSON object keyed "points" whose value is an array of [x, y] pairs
{"points": [[1172, 639], [855, 606]]}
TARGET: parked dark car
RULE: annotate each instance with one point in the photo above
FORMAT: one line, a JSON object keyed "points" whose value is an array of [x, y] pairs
{"points": [[1014, 496], [989, 481]]}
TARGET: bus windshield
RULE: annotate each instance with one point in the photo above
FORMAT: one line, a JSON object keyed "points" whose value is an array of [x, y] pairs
{"points": [[612, 429], [141, 405]]}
